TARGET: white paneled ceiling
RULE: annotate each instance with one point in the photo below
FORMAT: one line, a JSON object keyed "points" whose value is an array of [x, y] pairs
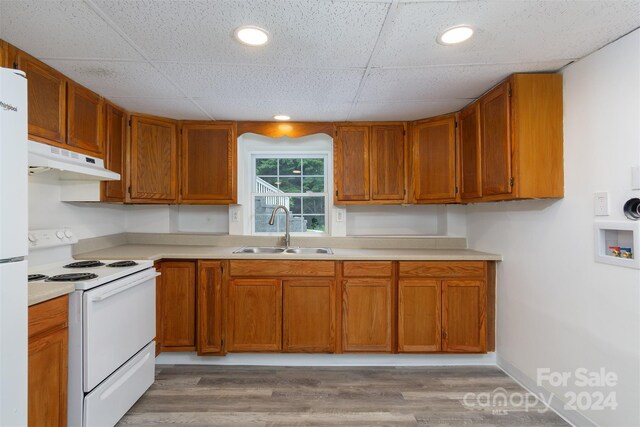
{"points": [[326, 60]]}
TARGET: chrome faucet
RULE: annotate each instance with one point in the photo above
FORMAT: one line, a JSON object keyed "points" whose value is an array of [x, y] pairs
{"points": [[287, 236]]}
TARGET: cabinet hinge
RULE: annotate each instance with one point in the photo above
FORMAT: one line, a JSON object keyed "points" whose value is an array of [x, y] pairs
{"points": [[511, 180], [509, 92], [444, 335], [222, 269], [404, 132], [15, 65], [456, 189], [456, 124], [336, 193], [221, 343], [129, 190], [129, 122]]}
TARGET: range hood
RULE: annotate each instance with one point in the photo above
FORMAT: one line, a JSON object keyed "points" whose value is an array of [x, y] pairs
{"points": [[72, 165]]}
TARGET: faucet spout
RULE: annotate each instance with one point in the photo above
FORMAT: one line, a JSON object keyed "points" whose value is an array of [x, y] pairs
{"points": [[287, 236]]}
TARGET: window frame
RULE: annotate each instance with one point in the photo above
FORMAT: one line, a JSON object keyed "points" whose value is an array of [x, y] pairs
{"points": [[291, 155]]}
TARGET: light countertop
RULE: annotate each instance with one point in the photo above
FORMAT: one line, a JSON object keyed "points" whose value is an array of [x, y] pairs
{"points": [[41, 292], [156, 252]]}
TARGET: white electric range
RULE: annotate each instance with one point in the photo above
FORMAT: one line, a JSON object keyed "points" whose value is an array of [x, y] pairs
{"points": [[111, 335]]}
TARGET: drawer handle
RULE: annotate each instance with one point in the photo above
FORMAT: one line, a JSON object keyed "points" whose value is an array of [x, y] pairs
{"points": [[124, 288]]}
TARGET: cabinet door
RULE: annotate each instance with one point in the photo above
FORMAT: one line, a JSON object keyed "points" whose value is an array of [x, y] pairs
{"points": [[208, 173], [115, 152], [255, 315], [47, 402], [209, 307], [46, 100], [470, 152], [309, 316], [351, 163], [84, 119], [434, 160], [496, 141], [154, 160], [178, 293], [366, 317], [387, 162], [419, 313], [464, 316]]}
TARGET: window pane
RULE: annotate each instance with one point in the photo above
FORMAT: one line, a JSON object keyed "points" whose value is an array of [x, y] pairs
{"points": [[314, 185], [291, 185], [266, 184], [313, 205], [266, 166], [295, 205], [262, 223], [313, 166], [288, 166], [315, 222]]}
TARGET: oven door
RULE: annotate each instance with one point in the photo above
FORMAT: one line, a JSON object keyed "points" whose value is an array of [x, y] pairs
{"points": [[119, 319]]}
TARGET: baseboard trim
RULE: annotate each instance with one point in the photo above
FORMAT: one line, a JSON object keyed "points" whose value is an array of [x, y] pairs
{"points": [[574, 418], [280, 359]]}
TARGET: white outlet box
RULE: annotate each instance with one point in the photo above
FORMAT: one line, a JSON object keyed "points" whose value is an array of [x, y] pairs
{"points": [[340, 215], [601, 204], [235, 215]]}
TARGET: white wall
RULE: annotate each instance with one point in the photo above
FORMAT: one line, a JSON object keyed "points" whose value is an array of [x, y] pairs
{"points": [[557, 308]]}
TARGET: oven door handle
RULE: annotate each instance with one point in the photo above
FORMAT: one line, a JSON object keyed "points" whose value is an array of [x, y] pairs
{"points": [[124, 288]]}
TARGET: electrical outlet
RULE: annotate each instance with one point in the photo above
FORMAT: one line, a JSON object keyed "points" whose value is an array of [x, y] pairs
{"points": [[601, 204], [235, 216], [339, 215]]}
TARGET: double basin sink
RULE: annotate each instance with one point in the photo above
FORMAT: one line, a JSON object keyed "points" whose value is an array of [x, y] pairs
{"points": [[280, 250]]}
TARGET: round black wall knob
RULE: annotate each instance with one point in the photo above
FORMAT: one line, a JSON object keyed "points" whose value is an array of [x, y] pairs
{"points": [[632, 209]]}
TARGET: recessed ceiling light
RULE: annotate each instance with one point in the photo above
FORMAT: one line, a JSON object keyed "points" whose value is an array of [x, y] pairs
{"points": [[281, 117], [252, 36], [455, 35]]}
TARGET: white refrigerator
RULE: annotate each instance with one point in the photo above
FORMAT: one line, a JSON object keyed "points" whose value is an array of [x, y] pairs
{"points": [[13, 248]]}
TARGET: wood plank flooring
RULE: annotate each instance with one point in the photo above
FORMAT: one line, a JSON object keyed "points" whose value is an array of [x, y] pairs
{"points": [[318, 396]]}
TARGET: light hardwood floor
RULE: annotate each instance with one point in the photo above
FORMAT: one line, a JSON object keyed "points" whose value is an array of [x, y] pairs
{"points": [[362, 396]]}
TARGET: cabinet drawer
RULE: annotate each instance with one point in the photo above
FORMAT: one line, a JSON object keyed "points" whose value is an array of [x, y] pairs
{"points": [[449, 269], [270, 268], [48, 315], [367, 269]]}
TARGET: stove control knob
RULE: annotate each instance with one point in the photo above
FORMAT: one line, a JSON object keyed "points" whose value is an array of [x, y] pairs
{"points": [[32, 238], [60, 234], [68, 234]]}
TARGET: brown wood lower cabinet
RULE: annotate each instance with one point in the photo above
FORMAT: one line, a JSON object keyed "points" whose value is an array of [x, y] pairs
{"points": [[255, 315], [209, 300], [442, 307], [419, 314], [177, 299], [48, 348], [367, 315], [309, 319]]}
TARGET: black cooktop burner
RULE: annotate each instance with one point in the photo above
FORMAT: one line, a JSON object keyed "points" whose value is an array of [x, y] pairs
{"points": [[84, 264], [34, 277], [72, 277], [122, 264]]}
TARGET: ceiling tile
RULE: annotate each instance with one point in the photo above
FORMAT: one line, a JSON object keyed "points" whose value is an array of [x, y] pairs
{"points": [[174, 108], [109, 78], [383, 111], [506, 31], [258, 82], [61, 29], [302, 32], [445, 82], [264, 110]]}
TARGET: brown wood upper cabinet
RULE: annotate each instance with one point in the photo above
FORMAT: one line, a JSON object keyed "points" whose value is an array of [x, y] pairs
{"points": [[369, 163], [46, 98], [209, 313], [521, 142], [208, 163], [433, 148], [177, 300], [115, 119], [84, 119], [470, 152], [47, 365], [153, 160]]}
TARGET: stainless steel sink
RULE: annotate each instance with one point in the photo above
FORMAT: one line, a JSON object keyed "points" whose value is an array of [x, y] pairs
{"points": [[307, 251], [279, 250], [259, 250]]}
